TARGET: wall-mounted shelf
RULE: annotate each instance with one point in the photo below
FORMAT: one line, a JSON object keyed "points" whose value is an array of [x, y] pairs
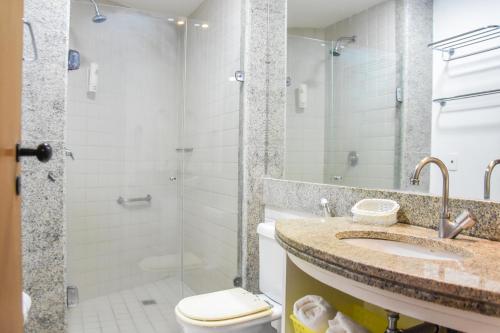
{"points": [[449, 46], [443, 100]]}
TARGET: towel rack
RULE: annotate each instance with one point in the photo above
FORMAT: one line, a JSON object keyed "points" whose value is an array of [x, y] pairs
{"points": [[448, 46], [123, 201], [443, 100]]}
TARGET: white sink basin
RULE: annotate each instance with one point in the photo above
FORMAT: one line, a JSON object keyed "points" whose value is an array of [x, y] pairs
{"points": [[403, 249]]}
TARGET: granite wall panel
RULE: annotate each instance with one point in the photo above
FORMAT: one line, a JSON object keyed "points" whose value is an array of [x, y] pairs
{"points": [[43, 120]]}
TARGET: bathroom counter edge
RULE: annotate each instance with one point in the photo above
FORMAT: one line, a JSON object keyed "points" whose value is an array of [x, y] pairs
{"points": [[472, 285]]}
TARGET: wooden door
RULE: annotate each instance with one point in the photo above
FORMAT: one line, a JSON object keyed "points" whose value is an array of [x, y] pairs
{"points": [[11, 45]]}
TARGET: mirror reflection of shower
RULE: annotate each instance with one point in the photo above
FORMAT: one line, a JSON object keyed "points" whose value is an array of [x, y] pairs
{"points": [[98, 18], [341, 44]]}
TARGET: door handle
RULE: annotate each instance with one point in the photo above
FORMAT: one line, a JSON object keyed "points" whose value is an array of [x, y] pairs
{"points": [[43, 152]]}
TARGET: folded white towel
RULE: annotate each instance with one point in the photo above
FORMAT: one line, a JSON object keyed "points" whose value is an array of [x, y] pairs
{"points": [[343, 324], [314, 312]]}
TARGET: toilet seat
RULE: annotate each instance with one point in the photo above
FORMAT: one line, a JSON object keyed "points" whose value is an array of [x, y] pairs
{"points": [[223, 308]]}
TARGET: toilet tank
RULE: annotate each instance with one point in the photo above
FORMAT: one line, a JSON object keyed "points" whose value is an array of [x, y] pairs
{"points": [[271, 255], [271, 263]]}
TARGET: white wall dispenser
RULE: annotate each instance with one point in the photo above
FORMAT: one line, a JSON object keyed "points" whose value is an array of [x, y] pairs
{"points": [[93, 78], [301, 96]]}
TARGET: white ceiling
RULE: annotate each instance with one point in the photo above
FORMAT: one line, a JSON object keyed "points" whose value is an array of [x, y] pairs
{"points": [[322, 13], [301, 13], [170, 7]]}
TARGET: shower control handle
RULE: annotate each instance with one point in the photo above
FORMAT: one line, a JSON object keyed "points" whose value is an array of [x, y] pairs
{"points": [[43, 152]]}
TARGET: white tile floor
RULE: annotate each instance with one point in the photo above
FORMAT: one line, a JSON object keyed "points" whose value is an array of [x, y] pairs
{"points": [[124, 312]]}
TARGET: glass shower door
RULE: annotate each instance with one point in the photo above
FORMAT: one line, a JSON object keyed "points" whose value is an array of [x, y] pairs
{"points": [[209, 213], [122, 223]]}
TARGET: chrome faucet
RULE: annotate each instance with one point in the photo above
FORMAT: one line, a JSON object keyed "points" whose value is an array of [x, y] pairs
{"points": [[487, 178], [447, 228]]}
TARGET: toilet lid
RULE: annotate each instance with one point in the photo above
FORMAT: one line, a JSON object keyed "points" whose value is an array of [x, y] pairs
{"points": [[222, 305]]}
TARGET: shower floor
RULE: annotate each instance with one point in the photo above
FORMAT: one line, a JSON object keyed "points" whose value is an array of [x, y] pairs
{"points": [[130, 311]]}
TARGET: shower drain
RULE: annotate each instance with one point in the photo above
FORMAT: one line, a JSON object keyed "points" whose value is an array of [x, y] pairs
{"points": [[148, 302]]}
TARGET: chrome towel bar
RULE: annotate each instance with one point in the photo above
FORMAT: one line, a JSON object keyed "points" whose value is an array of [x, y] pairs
{"points": [[123, 201], [443, 100], [450, 45]]}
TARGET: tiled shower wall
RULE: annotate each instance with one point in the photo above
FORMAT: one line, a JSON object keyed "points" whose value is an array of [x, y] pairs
{"points": [[305, 127], [210, 208], [123, 138], [364, 111]]}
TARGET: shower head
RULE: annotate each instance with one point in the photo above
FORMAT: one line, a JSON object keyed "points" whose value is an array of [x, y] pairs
{"points": [[98, 18], [340, 45]]}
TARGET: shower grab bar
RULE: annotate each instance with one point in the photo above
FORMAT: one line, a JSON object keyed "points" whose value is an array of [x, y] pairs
{"points": [[123, 201], [443, 100], [185, 150], [33, 41]]}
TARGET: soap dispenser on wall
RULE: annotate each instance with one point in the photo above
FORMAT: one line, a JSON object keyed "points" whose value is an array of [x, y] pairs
{"points": [[301, 97], [93, 77]]}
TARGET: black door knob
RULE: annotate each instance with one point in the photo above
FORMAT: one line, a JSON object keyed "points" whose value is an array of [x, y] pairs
{"points": [[43, 152]]}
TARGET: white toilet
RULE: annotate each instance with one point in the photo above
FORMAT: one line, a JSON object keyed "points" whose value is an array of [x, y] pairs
{"points": [[237, 310]]}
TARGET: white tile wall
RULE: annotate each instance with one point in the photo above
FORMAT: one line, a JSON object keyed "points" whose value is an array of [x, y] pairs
{"points": [[305, 127], [363, 116], [124, 139], [210, 209]]}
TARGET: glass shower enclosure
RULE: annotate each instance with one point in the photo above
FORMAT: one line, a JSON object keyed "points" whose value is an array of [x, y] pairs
{"points": [[152, 192]]}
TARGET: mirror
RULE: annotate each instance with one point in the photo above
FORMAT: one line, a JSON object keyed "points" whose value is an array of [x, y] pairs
{"points": [[374, 86]]}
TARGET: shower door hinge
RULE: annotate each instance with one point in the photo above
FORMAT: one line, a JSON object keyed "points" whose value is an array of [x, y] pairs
{"points": [[239, 76], [399, 95], [237, 281], [72, 298]]}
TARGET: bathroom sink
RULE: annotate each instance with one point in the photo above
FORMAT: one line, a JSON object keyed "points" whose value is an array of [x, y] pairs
{"points": [[432, 250]]}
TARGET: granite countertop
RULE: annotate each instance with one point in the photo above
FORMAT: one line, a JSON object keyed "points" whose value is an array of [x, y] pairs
{"points": [[471, 283]]}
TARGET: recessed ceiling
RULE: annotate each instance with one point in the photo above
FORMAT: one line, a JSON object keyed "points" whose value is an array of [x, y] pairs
{"points": [[322, 13], [169, 7]]}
